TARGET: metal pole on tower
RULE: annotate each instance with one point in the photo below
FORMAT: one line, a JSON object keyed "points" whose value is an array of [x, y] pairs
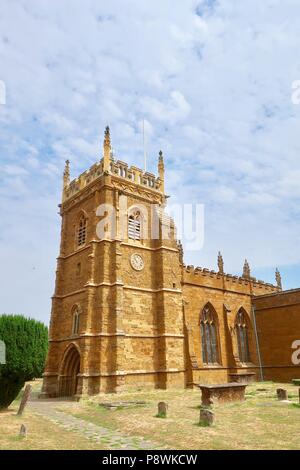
{"points": [[144, 147]]}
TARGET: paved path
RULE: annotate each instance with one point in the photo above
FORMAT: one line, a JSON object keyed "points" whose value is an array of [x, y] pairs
{"points": [[110, 439]]}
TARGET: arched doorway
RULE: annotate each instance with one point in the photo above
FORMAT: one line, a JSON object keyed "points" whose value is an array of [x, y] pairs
{"points": [[68, 379]]}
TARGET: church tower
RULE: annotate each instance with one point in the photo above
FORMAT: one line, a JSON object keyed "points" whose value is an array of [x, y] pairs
{"points": [[117, 316]]}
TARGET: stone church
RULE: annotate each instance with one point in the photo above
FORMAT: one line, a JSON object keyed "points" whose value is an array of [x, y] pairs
{"points": [[128, 313]]}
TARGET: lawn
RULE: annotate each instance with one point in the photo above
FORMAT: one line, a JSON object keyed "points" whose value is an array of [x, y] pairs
{"points": [[41, 433], [261, 422]]}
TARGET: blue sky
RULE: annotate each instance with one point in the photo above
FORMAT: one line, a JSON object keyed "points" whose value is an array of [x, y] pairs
{"points": [[213, 81]]}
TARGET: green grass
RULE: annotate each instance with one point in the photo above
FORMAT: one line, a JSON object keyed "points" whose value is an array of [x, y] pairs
{"points": [[295, 405], [203, 424], [251, 424]]}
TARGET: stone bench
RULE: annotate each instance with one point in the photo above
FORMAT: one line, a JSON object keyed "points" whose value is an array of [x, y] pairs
{"points": [[222, 393], [243, 377]]}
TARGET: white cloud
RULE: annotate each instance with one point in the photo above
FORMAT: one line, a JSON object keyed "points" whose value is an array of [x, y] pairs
{"points": [[60, 123], [212, 81], [14, 170], [175, 109]]}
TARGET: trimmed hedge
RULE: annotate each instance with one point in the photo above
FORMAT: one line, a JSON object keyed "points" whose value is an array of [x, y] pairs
{"points": [[26, 342]]}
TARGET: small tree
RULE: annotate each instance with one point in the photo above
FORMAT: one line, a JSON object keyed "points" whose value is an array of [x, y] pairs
{"points": [[26, 342]]}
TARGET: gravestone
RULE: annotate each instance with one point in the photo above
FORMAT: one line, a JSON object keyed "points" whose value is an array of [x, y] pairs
{"points": [[23, 431], [24, 400], [122, 404], [222, 393], [162, 409], [206, 417], [282, 394]]}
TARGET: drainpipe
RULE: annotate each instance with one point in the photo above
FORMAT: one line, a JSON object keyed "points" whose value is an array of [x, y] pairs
{"points": [[257, 345]]}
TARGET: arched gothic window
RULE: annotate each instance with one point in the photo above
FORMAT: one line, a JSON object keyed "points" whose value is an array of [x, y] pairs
{"points": [[81, 233], [241, 327], [76, 319], [210, 353], [134, 226]]}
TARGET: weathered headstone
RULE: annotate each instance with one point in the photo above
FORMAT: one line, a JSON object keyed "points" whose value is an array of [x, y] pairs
{"points": [[282, 394], [162, 409], [206, 417], [24, 400], [122, 404], [23, 431]]}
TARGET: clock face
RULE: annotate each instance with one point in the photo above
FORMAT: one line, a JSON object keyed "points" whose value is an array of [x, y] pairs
{"points": [[137, 262]]}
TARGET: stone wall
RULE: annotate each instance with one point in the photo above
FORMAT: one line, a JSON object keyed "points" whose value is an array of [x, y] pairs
{"points": [[278, 325], [226, 294]]}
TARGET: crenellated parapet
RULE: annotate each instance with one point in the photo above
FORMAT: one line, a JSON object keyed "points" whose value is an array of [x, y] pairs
{"points": [[209, 278], [135, 175], [117, 168], [83, 180]]}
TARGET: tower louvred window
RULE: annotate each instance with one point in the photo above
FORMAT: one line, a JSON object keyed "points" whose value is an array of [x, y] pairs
{"points": [[81, 236], [134, 226], [75, 326]]}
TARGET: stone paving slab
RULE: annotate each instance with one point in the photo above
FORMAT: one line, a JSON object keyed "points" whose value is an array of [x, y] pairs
{"points": [[112, 439]]}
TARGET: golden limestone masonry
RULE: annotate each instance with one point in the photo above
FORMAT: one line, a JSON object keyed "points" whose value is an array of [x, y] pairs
{"points": [[126, 311]]}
